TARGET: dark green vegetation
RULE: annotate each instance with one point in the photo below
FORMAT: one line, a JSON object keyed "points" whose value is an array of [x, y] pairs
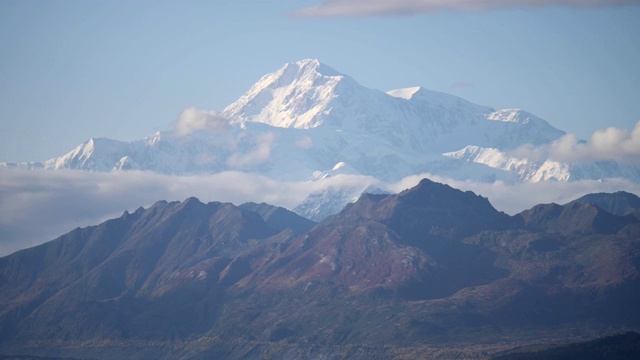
{"points": [[618, 347], [430, 272]]}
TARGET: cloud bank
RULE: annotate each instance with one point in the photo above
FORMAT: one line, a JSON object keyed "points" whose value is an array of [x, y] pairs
{"points": [[330, 8], [514, 198], [607, 144], [38, 206]]}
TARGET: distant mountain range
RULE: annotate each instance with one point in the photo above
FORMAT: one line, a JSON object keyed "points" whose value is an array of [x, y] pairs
{"points": [[389, 276], [299, 122]]}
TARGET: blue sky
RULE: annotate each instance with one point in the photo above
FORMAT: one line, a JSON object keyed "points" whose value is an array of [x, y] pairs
{"points": [[71, 70]]}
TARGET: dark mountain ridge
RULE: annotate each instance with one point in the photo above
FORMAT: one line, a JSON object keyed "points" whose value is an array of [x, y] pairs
{"points": [[619, 203], [279, 218], [144, 254], [431, 265], [573, 218]]}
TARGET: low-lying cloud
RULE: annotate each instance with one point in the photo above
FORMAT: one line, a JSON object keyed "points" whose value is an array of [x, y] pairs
{"points": [[607, 144], [330, 8], [242, 148], [514, 198], [37, 206]]}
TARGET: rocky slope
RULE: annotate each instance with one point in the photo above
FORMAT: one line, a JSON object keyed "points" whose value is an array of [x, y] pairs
{"points": [[429, 266], [620, 203]]}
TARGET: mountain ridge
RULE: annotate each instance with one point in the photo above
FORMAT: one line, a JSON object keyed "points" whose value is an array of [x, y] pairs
{"points": [[618, 203], [307, 117], [430, 265]]}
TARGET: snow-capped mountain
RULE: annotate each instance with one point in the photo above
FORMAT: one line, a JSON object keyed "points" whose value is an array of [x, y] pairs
{"points": [[536, 170], [300, 121], [329, 201], [308, 95]]}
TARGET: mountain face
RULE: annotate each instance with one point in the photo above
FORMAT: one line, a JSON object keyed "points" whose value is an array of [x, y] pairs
{"points": [[308, 94], [620, 203], [321, 204], [85, 280], [279, 218], [306, 117], [573, 218], [430, 265]]}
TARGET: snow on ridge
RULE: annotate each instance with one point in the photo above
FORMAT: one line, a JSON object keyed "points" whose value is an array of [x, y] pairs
{"points": [[295, 96], [318, 67], [405, 93], [307, 121], [153, 139], [419, 94], [510, 115], [464, 153], [523, 169], [339, 165]]}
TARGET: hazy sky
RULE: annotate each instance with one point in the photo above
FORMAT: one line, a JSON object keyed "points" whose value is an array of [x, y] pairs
{"points": [[71, 70]]}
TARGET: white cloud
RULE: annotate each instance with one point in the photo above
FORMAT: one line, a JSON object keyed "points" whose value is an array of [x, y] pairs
{"points": [[514, 198], [38, 205], [260, 153], [608, 144], [193, 119], [304, 142], [329, 8]]}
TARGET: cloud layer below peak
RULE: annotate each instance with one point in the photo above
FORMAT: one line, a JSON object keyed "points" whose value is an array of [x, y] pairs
{"points": [[330, 8], [39, 205], [606, 144]]}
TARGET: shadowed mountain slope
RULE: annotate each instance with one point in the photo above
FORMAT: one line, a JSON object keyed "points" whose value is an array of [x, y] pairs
{"points": [[431, 265], [279, 218], [573, 218], [618, 203]]}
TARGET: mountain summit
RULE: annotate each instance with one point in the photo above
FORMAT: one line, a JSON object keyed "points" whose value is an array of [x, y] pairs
{"points": [[295, 96], [308, 94], [306, 117]]}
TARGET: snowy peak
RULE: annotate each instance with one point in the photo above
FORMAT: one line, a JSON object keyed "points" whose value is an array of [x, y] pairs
{"points": [[308, 94], [314, 65], [304, 72], [97, 154], [302, 120], [295, 96]]}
